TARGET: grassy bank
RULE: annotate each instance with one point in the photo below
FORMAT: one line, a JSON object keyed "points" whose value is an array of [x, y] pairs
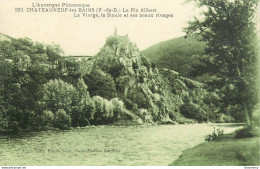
{"points": [[224, 151]]}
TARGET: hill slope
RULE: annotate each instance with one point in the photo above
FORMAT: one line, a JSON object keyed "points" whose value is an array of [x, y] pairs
{"points": [[179, 54], [39, 88], [145, 90], [4, 37]]}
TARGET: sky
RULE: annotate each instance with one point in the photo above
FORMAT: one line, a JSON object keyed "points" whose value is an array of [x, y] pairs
{"points": [[85, 36]]}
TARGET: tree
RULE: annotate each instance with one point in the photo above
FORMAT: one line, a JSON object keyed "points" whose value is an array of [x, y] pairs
{"points": [[229, 29], [100, 84], [84, 108], [62, 120], [18, 84], [58, 94]]}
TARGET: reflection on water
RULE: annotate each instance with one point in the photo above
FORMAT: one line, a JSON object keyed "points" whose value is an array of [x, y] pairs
{"points": [[105, 145]]}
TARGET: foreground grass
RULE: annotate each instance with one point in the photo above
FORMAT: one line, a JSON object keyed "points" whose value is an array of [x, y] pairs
{"points": [[224, 151]]}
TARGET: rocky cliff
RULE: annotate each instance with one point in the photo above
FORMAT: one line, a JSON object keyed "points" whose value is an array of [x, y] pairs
{"points": [[149, 93]]}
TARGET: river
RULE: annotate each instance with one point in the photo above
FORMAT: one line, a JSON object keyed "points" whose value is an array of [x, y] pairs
{"points": [[141, 145]]}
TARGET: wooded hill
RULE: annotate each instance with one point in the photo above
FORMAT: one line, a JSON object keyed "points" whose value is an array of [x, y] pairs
{"points": [[183, 54], [40, 88]]}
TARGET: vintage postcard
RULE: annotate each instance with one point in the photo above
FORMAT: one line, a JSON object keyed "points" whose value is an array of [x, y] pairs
{"points": [[129, 83]]}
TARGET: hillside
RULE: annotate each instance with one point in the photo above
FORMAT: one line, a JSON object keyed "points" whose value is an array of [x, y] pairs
{"points": [[148, 92], [40, 88], [179, 54], [4, 37]]}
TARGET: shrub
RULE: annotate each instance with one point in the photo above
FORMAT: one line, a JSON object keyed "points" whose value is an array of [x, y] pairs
{"points": [[146, 62], [193, 111], [62, 120], [248, 131], [99, 108], [214, 134], [47, 118], [112, 41], [142, 113], [129, 104], [86, 114], [118, 108], [224, 118], [186, 99], [90, 110], [107, 111], [235, 111]]}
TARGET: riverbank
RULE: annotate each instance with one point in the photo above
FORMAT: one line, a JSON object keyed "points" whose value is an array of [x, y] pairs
{"points": [[224, 151]]}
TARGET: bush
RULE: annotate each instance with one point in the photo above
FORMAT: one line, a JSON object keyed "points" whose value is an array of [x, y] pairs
{"points": [[248, 131], [107, 111], [99, 109], [85, 115], [235, 111], [62, 120], [223, 118], [142, 113], [193, 111], [118, 108], [47, 118], [129, 104], [214, 134]]}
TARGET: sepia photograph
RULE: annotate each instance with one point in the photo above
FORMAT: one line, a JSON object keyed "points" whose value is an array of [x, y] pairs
{"points": [[129, 83]]}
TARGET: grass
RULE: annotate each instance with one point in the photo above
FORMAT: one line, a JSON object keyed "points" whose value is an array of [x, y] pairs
{"points": [[224, 151]]}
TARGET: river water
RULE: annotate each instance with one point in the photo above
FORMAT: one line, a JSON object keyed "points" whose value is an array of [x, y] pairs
{"points": [[141, 145]]}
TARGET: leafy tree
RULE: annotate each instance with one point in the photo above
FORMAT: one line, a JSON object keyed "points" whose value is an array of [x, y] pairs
{"points": [[194, 111], [62, 120], [107, 111], [99, 109], [100, 84], [84, 108], [53, 52], [58, 94], [47, 118], [19, 87], [229, 29], [118, 108]]}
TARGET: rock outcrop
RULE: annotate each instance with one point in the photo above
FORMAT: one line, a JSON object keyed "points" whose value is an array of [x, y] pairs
{"points": [[146, 91]]}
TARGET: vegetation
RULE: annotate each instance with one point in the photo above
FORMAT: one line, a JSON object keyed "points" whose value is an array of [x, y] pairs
{"points": [[62, 120], [215, 134], [181, 54], [221, 51], [41, 89], [223, 151], [248, 131], [229, 31], [193, 111]]}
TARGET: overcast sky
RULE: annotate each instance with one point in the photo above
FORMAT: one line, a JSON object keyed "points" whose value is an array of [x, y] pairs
{"points": [[85, 36]]}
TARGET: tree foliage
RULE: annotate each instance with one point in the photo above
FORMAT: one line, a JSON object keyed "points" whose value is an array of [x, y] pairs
{"points": [[229, 30], [41, 89], [100, 84], [58, 94], [24, 68]]}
